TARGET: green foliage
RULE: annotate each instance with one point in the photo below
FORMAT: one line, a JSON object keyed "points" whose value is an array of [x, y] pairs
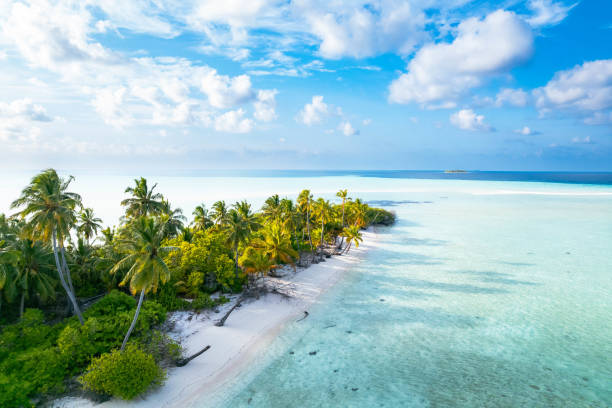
{"points": [[124, 374], [36, 370], [111, 304], [161, 347], [29, 332], [167, 297], [380, 216]]}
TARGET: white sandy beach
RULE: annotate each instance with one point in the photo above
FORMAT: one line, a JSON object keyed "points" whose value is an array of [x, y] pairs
{"points": [[233, 347]]}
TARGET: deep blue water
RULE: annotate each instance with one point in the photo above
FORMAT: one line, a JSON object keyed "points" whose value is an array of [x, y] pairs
{"points": [[602, 178]]}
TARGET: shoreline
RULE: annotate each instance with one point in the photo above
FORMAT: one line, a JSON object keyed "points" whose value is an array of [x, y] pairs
{"points": [[252, 326]]}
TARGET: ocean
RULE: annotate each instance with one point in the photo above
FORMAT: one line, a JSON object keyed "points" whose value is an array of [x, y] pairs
{"points": [[490, 291]]}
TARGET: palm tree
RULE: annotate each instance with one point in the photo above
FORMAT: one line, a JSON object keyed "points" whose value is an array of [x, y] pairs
{"points": [[34, 264], [343, 195], [256, 261], [8, 261], [353, 236], [237, 233], [143, 201], [360, 213], [272, 207], [290, 214], [51, 213], [173, 218], [89, 224], [219, 213], [276, 244], [201, 219], [144, 256], [323, 211], [305, 207]]}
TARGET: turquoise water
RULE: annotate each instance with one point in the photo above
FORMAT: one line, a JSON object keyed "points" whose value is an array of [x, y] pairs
{"points": [[485, 294], [473, 299]]}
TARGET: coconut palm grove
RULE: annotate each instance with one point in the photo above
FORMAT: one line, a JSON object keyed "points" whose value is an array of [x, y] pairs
{"points": [[83, 306]]}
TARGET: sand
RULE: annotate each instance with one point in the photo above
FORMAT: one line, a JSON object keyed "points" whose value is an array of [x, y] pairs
{"points": [[246, 332]]}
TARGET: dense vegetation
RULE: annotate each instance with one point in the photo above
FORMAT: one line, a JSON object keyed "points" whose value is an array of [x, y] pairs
{"points": [[56, 261]]}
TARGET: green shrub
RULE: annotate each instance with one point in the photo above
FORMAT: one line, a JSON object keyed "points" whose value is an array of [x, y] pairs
{"points": [[111, 304], [203, 301], [161, 347], [39, 370], [169, 298], [29, 332], [124, 374]]}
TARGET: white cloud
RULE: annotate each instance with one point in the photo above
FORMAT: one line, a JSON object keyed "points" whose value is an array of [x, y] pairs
{"points": [[366, 122], [441, 73], [347, 129], [233, 122], [582, 140], [53, 35], [585, 90], [467, 119], [513, 97], [265, 105], [526, 131], [108, 103], [17, 120], [313, 112], [547, 12], [225, 92], [363, 28]]}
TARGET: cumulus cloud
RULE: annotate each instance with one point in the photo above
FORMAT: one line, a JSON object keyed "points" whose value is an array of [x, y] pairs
{"points": [[547, 12], [467, 119], [223, 91], [347, 129], [364, 29], [313, 112], [53, 35], [582, 140], [585, 90], [18, 118], [233, 122], [513, 97], [441, 73], [265, 105]]}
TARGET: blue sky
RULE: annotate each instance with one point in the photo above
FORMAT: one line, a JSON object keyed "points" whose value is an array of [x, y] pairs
{"points": [[384, 84]]}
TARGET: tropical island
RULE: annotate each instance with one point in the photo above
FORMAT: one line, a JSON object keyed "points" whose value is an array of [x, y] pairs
{"points": [[82, 307]]}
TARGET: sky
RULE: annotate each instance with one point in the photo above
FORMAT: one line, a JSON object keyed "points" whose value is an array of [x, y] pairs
{"points": [[306, 84]]}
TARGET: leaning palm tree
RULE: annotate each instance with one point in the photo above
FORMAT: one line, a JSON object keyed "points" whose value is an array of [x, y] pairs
{"points": [[256, 262], [353, 236], [143, 201], [201, 218], [88, 224], [219, 213], [144, 256], [50, 211]]}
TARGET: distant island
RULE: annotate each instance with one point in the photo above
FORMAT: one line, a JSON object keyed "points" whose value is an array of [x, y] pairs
{"points": [[455, 171]]}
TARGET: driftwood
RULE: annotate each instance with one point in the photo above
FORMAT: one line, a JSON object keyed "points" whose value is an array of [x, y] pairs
{"points": [[305, 316], [183, 361], [221, 322]]}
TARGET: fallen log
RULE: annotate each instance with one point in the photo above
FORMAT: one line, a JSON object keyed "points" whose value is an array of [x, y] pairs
{"points": [[183, 361], [221, 322]]}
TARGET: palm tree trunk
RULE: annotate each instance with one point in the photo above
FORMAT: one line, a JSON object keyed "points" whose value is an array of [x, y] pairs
{"points": [[127, 336], [71, 296], [308, 224], [21, 304], [322, 234], [66, 270], [0, 303], [236, 260]]}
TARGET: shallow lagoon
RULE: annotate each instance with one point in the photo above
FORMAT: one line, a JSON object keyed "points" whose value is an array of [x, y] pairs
{"points": [[485, 293], [472, 299]]}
